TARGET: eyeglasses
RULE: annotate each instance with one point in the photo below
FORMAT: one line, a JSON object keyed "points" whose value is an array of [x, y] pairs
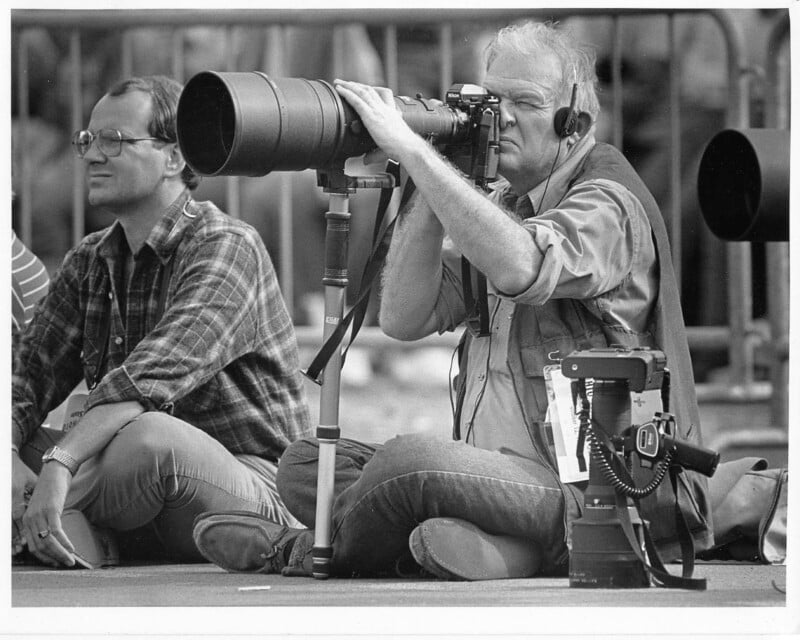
{"points": [[109, 141]]}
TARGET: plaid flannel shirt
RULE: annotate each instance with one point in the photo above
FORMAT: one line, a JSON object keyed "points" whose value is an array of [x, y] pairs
{"points": [[223, 357]]}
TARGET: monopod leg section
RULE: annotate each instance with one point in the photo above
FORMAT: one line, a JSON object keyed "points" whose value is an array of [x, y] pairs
{"points": [[335, 280]]}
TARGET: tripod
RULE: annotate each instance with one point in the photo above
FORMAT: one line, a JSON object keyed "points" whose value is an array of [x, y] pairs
{"points": [[335, 280]]}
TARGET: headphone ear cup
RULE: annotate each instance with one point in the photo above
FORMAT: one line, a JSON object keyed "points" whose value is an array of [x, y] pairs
{"points": [[565, 122]]}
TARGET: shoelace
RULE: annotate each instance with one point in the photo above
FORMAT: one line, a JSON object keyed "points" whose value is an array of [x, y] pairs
{"points": [[274, 561]]}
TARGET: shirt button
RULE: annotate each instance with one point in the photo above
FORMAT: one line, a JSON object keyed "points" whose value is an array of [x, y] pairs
{"points": [[118, 340]]}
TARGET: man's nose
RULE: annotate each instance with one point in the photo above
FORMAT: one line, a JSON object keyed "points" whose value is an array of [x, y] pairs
{"points": [[507, 117], [93, 153]]}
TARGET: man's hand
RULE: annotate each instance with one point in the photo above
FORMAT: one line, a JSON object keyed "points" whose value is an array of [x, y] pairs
{"points": [[23, 481], [41, 523], [377, 110]]}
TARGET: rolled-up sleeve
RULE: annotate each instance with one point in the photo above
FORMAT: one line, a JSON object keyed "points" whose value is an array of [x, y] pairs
{"points": [[586, 245], [449, 309], [211, 320]]}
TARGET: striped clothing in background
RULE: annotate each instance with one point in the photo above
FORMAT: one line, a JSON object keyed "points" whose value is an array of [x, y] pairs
{"points": [[29, 282]]}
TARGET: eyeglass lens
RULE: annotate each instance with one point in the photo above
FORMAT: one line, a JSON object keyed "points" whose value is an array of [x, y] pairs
{"points": [[109, 142]]}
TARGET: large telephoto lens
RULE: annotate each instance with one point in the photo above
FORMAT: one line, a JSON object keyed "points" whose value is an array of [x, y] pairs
{"points": [[249, 124], [743, 185]]}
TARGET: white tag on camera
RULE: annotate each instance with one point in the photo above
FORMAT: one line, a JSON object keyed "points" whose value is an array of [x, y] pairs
{"points": [[74, 410], [563, 417]]}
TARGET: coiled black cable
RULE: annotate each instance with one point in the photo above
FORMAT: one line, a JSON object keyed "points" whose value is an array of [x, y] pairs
{"points": [[610, 475]]}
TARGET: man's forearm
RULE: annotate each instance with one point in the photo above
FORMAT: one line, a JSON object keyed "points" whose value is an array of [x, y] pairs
{"points": [[412, 276], [97, 427], [494, 243]]}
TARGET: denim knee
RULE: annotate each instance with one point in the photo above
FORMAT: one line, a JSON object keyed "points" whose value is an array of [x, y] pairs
{"points": [[297, 479], [414, 453], [298, 473]]}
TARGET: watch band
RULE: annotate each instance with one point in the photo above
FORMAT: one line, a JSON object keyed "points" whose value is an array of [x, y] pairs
{"points": [[58, 454]]}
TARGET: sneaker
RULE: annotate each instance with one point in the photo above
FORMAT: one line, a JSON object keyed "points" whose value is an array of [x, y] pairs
{"points": [[242, 541], [453, 549], [94, 547]]}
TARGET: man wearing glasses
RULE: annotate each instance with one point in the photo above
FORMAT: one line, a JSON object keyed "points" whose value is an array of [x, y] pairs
{"points": [[174, 319]]}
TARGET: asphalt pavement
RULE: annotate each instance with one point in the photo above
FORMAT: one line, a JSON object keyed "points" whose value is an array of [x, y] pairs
{"points": [[740, 598]]}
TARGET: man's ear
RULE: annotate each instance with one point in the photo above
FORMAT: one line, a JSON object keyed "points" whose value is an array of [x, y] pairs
{"points": [[175, 161], [582, 126]]}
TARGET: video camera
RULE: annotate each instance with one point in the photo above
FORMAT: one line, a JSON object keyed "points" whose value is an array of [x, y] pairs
{"points": [[249, 124], [603, 555]]}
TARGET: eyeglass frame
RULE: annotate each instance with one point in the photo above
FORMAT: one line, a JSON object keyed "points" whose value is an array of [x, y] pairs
{"points": [[97, 136]]}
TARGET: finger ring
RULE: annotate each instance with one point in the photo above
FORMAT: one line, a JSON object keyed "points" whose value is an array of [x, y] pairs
{"points": [[44, 534]]}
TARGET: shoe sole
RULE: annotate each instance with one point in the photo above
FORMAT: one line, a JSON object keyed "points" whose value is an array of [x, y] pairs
{"points": [[454, 549]]}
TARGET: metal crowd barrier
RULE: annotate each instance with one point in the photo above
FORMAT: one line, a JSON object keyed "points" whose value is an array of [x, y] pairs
{"points": [[739, 338]]}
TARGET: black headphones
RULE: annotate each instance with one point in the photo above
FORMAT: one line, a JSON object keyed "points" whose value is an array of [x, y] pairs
{"points": [[567, 120]]}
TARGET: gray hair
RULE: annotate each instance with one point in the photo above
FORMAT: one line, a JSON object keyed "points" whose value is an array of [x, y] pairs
{"points": [[577, 59]]}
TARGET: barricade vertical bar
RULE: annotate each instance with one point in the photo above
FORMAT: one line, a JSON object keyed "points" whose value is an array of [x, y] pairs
{"points": [[126, 54], [338, 40], [778, 263], [675, 147], [274, 64], [445, 57], [232, 183], [76, 94], [335, 280], [738, 254], [616, 82], [23, 109], [390, 56], [286, 241], [177, 54]]}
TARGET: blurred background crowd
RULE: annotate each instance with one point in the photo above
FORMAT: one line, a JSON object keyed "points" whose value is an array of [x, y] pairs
{"points": [[646, 115]]}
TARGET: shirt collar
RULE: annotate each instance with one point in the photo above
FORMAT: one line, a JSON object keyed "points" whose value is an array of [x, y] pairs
{"points": [[554, 188], [164, 236]]}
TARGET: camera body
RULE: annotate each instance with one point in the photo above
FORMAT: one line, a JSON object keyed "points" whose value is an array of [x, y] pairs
{"points": [[479, 157]]}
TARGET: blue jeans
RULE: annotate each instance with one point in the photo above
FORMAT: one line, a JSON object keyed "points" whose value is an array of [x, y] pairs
{"points": [[382, 492], [155, 476]]}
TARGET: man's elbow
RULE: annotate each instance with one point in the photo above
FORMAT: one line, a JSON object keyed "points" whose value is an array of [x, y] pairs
{"points": [[514, 282], [401, 328]]}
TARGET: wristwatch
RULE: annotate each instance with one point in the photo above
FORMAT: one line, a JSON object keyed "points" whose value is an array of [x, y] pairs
{"points": [[59, 455]]}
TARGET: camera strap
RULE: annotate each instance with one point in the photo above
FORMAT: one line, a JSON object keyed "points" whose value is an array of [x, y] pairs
{"points": [[477, 320], [372, 268], [652, 561]]}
